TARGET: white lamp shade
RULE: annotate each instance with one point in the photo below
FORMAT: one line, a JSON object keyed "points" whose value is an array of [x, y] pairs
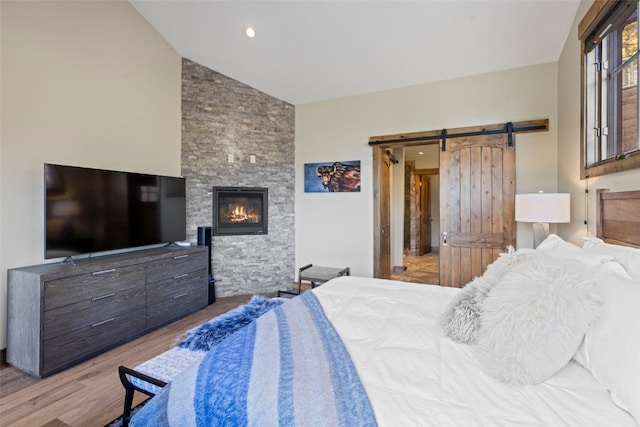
{"points": [[543, 207]]}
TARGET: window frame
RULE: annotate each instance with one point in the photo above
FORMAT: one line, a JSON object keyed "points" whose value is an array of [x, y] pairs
{"points": [[592, 20]]}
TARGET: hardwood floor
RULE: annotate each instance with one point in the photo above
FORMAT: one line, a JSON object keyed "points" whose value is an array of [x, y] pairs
{"points": [[90, 394], [420, 269]]}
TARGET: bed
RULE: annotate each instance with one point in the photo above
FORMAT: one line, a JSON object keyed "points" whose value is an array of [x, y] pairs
{"points": [[545, 337]]}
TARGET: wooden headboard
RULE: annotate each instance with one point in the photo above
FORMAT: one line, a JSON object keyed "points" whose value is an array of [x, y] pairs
{"points": [[618, 217]]}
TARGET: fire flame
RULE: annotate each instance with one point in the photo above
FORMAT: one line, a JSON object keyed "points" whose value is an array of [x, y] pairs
{"points": [[240, 214]]}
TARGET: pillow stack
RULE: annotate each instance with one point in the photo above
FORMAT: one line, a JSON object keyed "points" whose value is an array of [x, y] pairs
{"points": [[629, 258], [611, 348], [528, 314], [535, 318]]}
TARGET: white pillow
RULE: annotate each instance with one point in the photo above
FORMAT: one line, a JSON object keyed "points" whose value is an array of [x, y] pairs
{"points": [[555, 246], [611, 348], [628, 257], [461, 319], [534, 319]]}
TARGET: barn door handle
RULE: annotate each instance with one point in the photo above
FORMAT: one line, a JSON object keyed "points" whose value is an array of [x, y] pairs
{"points": [[444, 239]]}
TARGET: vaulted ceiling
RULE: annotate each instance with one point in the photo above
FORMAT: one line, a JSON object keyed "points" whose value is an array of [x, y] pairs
{"points": [[307, 51]]}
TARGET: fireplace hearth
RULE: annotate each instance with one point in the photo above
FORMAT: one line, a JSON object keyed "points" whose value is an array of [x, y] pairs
{"points": [[240, 210]]}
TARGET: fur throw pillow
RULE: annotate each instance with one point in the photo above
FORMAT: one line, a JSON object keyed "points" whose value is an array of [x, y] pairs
{"points": [[461, 318], [535, 318]]}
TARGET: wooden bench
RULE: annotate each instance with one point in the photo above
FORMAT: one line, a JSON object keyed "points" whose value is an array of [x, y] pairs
{"points": [[315, 276]]}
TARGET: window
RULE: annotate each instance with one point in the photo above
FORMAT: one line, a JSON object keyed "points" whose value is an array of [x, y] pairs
{"points": [[609, 35]]}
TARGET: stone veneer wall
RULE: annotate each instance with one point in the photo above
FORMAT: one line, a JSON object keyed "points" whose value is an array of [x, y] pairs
{"points": [[221, 116]]}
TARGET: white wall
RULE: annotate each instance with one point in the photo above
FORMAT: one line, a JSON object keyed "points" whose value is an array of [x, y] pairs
{"points": [[337, 229], [569, 145], [83, 83]]}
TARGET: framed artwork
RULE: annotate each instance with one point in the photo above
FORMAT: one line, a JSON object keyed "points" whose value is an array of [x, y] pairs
{"points": [[332, 177]]}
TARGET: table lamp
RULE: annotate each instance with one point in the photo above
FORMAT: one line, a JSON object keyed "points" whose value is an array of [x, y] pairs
{"points": [[541, 209]]}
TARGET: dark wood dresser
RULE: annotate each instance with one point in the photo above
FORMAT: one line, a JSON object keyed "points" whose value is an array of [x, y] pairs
{"points": [[59, 314]]}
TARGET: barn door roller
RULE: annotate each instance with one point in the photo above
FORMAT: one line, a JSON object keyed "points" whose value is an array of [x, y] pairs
{"points": [[391, 157], [443, 136]]}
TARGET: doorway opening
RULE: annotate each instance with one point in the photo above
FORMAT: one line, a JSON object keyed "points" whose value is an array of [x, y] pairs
{"points": [[415, 243]]}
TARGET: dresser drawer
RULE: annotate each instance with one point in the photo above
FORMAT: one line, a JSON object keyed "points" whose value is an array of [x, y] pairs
{"points": [[181, 304], [76, 316], [173, 287], [69, 290], [175, 266], [67, 349]]}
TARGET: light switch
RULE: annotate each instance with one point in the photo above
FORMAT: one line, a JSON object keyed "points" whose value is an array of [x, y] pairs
{"points": [[230, 158], [252, 158]]}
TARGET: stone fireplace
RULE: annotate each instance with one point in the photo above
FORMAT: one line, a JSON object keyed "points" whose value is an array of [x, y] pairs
{"points": [[240, 210], [216, 122]]}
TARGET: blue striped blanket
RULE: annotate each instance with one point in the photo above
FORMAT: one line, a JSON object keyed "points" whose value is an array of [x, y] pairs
{"points": [[287, 368]]}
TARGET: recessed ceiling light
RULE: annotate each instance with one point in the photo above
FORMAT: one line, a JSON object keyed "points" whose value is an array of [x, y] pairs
{"points": [[420, 152], [250, 32]]}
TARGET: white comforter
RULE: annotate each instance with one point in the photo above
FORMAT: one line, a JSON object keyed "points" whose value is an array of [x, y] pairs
{"points": [[416, 376]]}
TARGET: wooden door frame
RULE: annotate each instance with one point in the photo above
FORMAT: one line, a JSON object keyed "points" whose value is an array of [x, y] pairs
{"points": [[380, 192], [380, 144]]}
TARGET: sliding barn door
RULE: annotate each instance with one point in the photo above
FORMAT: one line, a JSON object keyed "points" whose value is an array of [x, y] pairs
{"points": [[477, 196]]}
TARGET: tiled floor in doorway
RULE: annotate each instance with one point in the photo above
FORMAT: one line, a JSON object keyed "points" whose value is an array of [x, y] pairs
{"points": [[420, 269]]}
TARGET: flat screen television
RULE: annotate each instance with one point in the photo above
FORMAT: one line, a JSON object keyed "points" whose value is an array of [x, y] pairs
{"points": [[95, 210]]}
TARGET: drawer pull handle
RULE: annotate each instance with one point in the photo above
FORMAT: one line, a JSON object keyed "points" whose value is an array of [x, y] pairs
{"points": [[180, 276], [97, 273], [103, 297], [103, 322], [180, 256], [181, 295]]}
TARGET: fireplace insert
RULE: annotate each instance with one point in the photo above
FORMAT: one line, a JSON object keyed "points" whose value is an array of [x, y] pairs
{"points": [[240, 210]]}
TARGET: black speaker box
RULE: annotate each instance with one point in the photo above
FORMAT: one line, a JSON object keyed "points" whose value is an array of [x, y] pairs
{"points": [[204, 239]]}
